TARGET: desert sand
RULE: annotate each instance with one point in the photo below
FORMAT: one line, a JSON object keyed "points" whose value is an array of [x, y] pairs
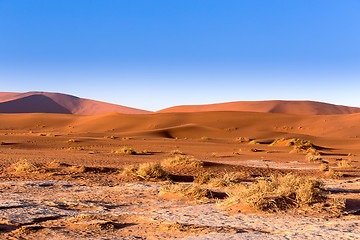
{"points": [[75, 187]]}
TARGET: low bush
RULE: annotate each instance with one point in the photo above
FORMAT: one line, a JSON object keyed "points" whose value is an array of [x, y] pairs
{"points": [[147, 171], [188, 191], [277, 192], [182, 160]]}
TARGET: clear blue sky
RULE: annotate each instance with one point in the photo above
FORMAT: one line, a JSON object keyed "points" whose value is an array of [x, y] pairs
{"points": [[152, 54]]}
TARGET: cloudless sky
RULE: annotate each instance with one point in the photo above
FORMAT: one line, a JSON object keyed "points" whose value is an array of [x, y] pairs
{"points": [[153, 54]]}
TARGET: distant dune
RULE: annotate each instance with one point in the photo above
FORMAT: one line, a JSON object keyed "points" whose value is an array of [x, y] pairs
{"points": [[45, 102], [288, 107], [193, 125]]}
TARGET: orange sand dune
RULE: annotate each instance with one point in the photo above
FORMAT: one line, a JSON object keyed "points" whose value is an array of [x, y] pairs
{"points": [[289, 107], [44, 102], [193, 125]]}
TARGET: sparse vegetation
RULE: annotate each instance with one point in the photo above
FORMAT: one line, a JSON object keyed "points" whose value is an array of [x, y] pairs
{"points": [[147, 171], [311, 157], [182, 160], [76, 148], [344, 163], [204, 138], [72, 140], [24, 166], [332, 174], [254, 142], [176, 152], [324, 167], [226, 180], [188, 191], [242, 140], [125, 150], [277, 192]]}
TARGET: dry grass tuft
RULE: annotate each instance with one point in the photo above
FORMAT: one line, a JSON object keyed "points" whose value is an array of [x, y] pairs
{"points": [[24, 166], [254, 142], [182, 160], [188, 191], [311, 157], [324, 167], [277, 193], [344, 163], [176, 152], [242, 140], [226, 180], [147, 171], [332, 174], [125, 150]]}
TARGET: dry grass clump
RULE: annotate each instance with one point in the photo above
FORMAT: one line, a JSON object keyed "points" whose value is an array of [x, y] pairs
{"points": [[254, 142], [147, 171], [204, 138], [332, 174], [324, 167], [188, 191], [242, 140], [24, 166], [182, 160], [176, 152], [76, 148], [211, 180], [2, 143], [311, 157], [125, 150], [344, 163], [292, 142], [277, 192], [72, 140]]}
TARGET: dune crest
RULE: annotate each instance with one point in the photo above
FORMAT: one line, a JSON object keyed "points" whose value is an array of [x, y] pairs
{"points": [[46, 102], [278, 106]]}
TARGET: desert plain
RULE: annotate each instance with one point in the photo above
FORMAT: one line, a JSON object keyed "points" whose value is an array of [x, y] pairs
{"points": [[186, 172]]}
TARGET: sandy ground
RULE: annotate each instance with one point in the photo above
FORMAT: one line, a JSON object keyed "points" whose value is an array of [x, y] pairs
{"points": [[79, 191]]}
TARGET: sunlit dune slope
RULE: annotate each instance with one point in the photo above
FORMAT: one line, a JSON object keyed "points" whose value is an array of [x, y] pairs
{"points": [[289, 107]]}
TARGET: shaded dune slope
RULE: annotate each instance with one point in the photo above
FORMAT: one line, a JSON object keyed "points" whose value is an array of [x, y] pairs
{"points": [[288, 107], [24, 103]]}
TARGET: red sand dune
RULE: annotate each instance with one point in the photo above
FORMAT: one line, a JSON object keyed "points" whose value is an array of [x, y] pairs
{"points": [[45, 102], [289, 107], [194, 125]]}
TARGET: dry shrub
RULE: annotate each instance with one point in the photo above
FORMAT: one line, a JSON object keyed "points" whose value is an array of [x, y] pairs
{"points": [[76, 148], [176, 152], [277, 192], [72, 140], [332, 174], [125, 150], [147, 171], [202, 178], [324, 167], [311, 157], [344, 163], [188, 191], [204, 138], [293, 142], [182, 160], [254, 142], [24, 166], [242, 140], [226, 180]]}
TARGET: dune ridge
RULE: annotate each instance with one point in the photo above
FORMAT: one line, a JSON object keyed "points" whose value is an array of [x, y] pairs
{"points": [[29, 102], [276, 106]]}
